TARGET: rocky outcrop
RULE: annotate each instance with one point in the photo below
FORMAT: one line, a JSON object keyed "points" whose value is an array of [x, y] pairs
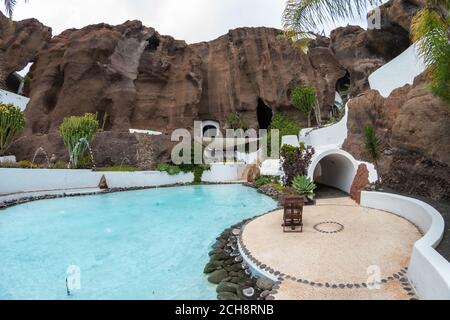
{"points": [[414, 129], [133, 77], [361, 52], [19, 43], [360, 182]]}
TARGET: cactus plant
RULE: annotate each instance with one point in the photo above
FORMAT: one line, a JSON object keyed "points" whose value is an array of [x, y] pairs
{"points": [[11, 123], [77, 133]]}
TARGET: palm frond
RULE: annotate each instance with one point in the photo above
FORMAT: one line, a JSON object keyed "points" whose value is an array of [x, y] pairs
{"points": [[9, 6], [304, 15], [430, 29]]}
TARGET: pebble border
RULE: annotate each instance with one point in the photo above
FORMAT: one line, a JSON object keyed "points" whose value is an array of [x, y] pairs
{"points": [[340, 227]]}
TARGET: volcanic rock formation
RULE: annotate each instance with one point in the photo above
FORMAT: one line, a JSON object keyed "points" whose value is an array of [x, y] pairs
{"points": [[19, 43]]}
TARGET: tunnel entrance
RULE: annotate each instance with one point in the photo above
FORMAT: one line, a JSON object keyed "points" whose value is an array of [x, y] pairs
{"points": [[335, 170], [264, 114], [343, 86]]}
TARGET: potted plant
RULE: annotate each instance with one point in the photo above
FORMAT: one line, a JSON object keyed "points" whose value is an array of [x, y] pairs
{"points": [[305, 186]]}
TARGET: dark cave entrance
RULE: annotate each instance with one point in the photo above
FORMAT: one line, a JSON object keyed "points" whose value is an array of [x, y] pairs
{"points": [[343, 86], [264, 114]]}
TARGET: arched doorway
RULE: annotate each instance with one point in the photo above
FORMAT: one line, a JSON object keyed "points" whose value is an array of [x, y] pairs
{"points": [[334, 168]]}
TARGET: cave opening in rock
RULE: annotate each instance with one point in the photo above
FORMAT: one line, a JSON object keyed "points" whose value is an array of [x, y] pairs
{"points": [[153, 43], [264, 114], [343, 86], [14, 82]]}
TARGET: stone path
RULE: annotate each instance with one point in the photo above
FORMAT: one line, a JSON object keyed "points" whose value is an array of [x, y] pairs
{"points": [[327, 261]]}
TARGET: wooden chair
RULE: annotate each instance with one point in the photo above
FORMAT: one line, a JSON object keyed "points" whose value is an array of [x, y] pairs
{"points": [[293, 214]]}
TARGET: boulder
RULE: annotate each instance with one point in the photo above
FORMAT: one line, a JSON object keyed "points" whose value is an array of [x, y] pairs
{"points": [[227, 287], [217, 276], [264, 284], [360, 181], [227, 296], [103, 184]]}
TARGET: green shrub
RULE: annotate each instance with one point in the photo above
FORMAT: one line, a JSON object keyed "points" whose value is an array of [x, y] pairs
{"points": [[263, 180], [236, 121], [26, 164], [11, 123], [286, 126], [304, 185], [60, 165], [77, 133], [295, 161]]}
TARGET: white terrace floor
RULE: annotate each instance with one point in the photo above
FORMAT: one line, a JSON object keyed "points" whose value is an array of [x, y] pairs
{"points": [[332, 261]]}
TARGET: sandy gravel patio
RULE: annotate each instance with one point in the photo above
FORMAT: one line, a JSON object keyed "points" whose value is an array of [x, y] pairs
{"points": [[317, 265]]}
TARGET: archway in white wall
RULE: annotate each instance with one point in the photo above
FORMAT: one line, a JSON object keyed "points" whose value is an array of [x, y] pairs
{"points": [[210, 128], [334, 168]]}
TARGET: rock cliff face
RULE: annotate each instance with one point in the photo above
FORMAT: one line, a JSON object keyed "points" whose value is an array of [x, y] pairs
{"points": [[19, 44], [414, 128], [132, 77]]}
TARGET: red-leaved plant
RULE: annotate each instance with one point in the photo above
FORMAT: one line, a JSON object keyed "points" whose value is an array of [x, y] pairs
{"points": [[295, 162]]}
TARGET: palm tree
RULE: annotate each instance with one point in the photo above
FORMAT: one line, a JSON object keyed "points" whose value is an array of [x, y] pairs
{"points": [[373, 146], [9, 6], [430, 26]]}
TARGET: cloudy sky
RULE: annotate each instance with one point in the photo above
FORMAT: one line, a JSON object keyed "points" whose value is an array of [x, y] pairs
{"points": [[189, 20]]}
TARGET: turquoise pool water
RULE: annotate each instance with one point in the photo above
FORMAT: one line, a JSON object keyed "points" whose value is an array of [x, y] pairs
{"points": [[149, 244]]}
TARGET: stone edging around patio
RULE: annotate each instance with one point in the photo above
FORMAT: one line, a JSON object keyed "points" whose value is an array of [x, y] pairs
{"points": [[278, 277]]}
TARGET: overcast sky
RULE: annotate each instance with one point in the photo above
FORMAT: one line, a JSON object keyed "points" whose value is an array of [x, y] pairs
{"points": [[189, 20]]}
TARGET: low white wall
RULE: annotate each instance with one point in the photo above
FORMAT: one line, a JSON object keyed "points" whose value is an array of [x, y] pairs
{"points": [[331, 137], [28, 180], [271, 167], [224, 172], [398, 72], [290, 140], [428, 271], [7, 159], [17, 100]]}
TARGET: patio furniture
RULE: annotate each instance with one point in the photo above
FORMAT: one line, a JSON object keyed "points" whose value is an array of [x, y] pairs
{"points": [[293, 214]]}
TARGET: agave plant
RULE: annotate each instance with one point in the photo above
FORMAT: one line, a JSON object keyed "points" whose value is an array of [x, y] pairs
{"points": [[430, 26], [304, 186]]}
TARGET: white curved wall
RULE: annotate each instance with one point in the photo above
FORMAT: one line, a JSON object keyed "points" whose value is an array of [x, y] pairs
{"points": [[398, 72], [224, 172], [28, 180], [335, 168], [428, 271], [17, 100], [271, 167], [331, 137]]}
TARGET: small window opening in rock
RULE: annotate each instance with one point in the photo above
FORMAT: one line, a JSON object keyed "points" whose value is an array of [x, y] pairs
{"points": [[153, 43], [343, 84], [209, 131]]}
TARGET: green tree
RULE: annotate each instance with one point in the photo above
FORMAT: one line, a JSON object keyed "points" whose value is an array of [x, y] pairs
{"points": [[373, 146], [430, 26], [304, 98]]}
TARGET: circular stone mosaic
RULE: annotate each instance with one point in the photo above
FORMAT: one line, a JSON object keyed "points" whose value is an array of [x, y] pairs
{"points": [[329, 227]]}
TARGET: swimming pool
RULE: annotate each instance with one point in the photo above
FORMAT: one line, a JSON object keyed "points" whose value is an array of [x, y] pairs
{"points": [[148, 244]]}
